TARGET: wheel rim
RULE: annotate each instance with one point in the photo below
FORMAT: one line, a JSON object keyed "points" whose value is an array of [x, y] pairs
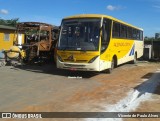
{"points": [[135, 58], [112, 64]]}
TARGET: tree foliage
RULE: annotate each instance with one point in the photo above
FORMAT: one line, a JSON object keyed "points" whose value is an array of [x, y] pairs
{"points": [[150, 39], [11, 22]]}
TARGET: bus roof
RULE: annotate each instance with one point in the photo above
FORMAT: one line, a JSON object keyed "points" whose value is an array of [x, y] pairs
{"points": [[101, 16]]}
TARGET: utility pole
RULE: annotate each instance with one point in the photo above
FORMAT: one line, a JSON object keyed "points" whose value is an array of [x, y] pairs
{"points": [[152, 52]]}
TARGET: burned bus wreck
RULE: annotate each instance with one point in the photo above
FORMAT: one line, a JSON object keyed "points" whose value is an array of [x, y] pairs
{"points": [[39, 41]]}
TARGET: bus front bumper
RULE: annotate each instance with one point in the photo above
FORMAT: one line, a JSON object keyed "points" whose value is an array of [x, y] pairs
{"points": [[79, 66]]}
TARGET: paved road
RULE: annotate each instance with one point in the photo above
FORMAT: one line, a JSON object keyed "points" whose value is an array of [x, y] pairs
{"points": [[45, 88], [21, 87]]}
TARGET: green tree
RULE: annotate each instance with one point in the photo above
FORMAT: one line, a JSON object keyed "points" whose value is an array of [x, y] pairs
{"points": [[11, 22]]}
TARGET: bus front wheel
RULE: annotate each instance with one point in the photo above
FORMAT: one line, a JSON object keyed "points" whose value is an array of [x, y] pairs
{"points": [[112, 66]]}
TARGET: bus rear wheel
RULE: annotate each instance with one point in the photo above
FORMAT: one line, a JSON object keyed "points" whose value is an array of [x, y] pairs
{"points": [[134, 61]]}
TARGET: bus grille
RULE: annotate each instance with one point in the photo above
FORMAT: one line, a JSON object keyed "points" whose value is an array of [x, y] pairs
{"points": [[77, 61], [71, 65]]}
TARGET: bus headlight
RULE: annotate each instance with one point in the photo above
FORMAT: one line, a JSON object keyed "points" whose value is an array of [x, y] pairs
{"points": [[59, 58], [93, 59]]}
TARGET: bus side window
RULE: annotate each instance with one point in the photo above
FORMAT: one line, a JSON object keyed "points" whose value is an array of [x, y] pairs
{"points": [[123, 31], [141, 35], [106, 32], [116, 30], [129, 32]]}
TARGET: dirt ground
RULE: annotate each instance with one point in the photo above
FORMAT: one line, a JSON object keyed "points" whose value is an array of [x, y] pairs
{"points": [[47, 89]]}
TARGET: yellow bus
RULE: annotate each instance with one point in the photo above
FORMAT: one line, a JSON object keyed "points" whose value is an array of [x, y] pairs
{"points": [[93, 42]]}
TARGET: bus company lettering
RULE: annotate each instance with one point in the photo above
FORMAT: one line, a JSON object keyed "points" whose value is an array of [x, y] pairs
{"points": [[120, 44]]}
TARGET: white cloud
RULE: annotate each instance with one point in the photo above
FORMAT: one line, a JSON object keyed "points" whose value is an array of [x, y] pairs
{"points": [[112, 8], [3, 11]]}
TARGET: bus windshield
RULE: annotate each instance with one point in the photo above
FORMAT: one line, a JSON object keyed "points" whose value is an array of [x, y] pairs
{"points": [[80, 34]]}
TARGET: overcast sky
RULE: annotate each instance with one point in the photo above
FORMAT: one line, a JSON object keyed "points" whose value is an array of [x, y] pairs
{"points": [[142, 13]]}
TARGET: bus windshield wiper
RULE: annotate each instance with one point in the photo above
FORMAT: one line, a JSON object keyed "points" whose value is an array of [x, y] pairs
{"points": [[64, 48], [83, 50]]}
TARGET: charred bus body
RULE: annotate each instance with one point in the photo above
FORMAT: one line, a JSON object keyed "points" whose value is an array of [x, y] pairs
{"points": [[39, 41]]}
